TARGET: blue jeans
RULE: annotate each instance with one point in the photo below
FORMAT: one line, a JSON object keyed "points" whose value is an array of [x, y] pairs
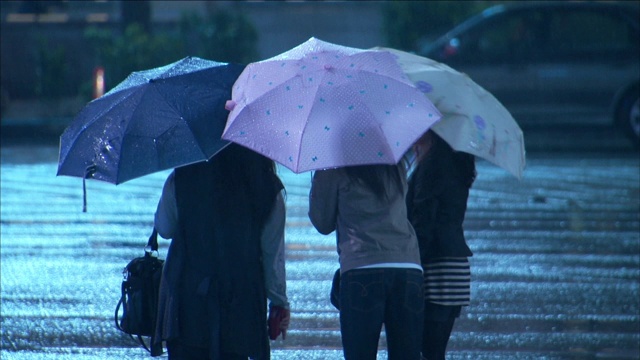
{"points": [[372, 297]]}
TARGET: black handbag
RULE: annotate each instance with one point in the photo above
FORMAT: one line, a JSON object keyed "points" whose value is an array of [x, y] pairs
{"points": [[139, 299]]}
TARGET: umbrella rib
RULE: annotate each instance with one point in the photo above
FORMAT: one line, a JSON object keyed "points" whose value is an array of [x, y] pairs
{"points": [[95, 118], [160, 95], [404, 79], [266, 94], [183, 119], [382, 134], [303, 132], [177, 112], [86, 127]]}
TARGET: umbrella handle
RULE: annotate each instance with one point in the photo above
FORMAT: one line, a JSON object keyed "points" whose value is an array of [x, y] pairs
{"points": [[84, 195], [87, 172]]}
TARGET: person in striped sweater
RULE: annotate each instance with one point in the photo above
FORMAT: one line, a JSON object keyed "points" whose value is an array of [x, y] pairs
{"points": [[436, 205]]}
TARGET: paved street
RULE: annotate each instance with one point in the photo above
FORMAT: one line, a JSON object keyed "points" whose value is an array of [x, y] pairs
{"points": [[555, 275]]}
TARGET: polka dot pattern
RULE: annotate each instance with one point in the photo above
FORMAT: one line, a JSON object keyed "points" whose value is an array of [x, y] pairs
{"points": [[322, 105]]}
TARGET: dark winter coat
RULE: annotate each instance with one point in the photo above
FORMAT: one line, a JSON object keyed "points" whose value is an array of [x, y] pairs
{"points": [[212, 291]]}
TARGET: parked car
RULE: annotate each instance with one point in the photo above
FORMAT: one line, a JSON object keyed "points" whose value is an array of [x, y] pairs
{"points": [[567, 62]]}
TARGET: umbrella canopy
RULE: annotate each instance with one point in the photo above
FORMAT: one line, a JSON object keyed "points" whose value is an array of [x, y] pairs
{"points": [[154, 120], [473, 120], [322, 105]]}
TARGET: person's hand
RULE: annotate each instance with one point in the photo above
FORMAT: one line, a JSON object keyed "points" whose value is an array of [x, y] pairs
{"points": [[278, 322]]}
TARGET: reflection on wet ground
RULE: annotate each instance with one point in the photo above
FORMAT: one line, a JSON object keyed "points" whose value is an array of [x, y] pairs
{"points": [[556, 270]]}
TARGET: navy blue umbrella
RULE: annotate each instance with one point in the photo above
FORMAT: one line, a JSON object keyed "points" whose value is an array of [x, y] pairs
{"points": [[154, 120]]}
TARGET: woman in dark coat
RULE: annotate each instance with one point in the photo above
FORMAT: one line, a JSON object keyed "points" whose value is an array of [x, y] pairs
{"points": [[226, 221], [436, 205]]}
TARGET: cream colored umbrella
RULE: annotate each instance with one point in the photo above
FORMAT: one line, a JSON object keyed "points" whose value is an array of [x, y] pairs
{"points": [[473, 120]]}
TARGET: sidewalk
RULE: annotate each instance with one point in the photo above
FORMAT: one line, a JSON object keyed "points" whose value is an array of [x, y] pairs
{"points": [[555, 269], [37, 121]]}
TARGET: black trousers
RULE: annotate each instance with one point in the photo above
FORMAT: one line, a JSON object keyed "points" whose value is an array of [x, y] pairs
{"points": [[438, 323]]}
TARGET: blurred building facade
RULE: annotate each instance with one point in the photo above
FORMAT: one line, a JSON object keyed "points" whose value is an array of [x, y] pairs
{"points": [[29, 31]]}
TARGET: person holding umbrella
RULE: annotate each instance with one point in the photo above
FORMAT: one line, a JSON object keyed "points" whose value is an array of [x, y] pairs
{"points": [[381, 276], [226, 219], [436, 204]]}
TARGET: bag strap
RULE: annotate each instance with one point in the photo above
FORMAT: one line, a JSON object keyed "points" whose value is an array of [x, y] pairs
{"points": [[136, 338], [120, 303], [140, 340], [152, 244]]}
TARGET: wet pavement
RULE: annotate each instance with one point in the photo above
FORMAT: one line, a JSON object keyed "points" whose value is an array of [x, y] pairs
{"points": [[555, 275]]}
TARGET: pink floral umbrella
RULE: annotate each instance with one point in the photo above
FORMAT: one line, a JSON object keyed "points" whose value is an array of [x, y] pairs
{"points": [[322, 105]]}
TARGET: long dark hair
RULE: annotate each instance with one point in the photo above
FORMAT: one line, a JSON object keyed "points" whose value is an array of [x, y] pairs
{"points": [[241, 178], [373, 176], [465, 163], [246, 170]]}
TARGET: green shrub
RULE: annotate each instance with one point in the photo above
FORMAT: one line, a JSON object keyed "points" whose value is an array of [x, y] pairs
{"points": [[134, 50], [222, 35], [51, 69]]}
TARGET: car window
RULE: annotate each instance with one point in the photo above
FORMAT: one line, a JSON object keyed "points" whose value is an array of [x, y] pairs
{"points": [[590, 35], [543, 35], [502, 40]]}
